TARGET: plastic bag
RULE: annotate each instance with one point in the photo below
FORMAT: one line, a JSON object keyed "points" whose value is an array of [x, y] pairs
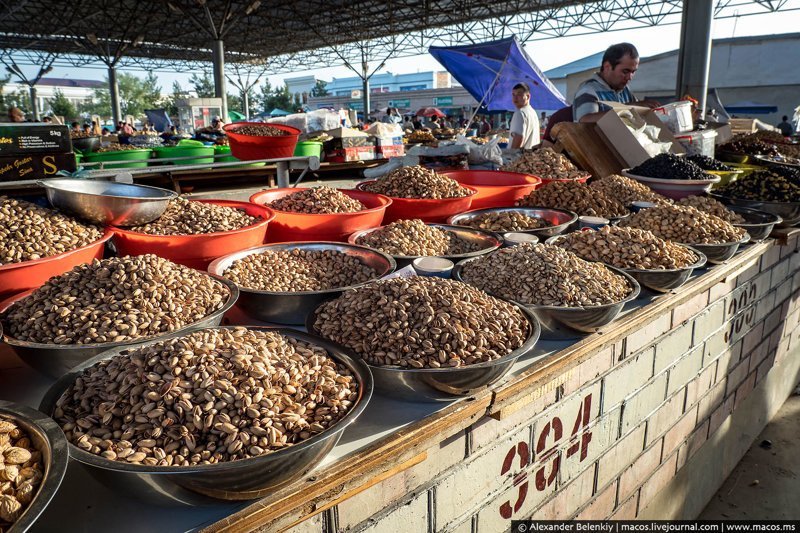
{"points": [[319, 120], [489, 152]]}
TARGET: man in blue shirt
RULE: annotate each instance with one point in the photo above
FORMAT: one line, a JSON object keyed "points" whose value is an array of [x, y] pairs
{"points": [[617, 69]]}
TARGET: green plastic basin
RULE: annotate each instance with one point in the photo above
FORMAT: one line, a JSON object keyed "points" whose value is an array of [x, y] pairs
{"points": [[225, 151], [128, 158], [308, 148], [200, 154]]}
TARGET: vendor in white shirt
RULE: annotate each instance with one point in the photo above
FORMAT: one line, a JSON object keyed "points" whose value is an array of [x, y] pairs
{"points": [[524, 124]]}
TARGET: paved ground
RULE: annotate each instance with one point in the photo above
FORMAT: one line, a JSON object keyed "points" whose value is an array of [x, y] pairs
{"points": [[766, 482]]}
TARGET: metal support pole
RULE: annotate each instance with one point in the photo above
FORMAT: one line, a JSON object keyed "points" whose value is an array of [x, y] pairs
{"points": [[113, 87], [694, 55], [365, 86], [218, 59], [34, 104], [246, 100], [282, 173]]}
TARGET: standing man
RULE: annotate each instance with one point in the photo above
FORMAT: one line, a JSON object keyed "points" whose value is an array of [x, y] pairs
{"points": [[524, 126], [620, 63], [786, 128]]}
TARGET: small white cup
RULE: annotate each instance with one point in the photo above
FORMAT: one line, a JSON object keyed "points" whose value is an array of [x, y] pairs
{"points": [[514, 238], [592, 222], [433, 266]]}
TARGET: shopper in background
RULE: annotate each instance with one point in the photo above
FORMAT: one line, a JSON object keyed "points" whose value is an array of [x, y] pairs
{"points": [[786, 128], [75, 127], [524, 124], [619, 65], [15, 114], [96, 128]]}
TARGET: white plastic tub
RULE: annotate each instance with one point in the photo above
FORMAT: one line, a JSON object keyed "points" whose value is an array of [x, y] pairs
{"points": [[677, 116], [698, 142]]}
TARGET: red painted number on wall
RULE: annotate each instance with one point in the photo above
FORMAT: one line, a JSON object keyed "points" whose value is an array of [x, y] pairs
{"points": [[547, 451]]}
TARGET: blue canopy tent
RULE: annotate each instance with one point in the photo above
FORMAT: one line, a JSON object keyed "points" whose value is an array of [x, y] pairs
{"points": [[751, 108], [278, 113], [489, 71]]}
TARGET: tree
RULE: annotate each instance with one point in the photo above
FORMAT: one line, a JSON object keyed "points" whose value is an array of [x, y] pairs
{"points": [[270, 98], [320, 88], [203, 85], [3, 104], [60, 106], [171, 101], [135, 95]]}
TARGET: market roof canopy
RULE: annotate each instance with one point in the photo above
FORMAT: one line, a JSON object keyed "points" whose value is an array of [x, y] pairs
{"points": [[489, 71], [751, 108]]}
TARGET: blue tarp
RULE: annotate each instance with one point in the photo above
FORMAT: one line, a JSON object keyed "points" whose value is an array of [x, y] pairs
{"points": [[488, 71], [751, 108], [158, 118]]}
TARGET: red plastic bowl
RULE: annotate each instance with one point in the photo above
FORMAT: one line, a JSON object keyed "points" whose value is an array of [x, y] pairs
{"points": [[294, 227], [249, 147], [425, 209], [20, 277], [197, 251], [545, 181], [496, 188]]}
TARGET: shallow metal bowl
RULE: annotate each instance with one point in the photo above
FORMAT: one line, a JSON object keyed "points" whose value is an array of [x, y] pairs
{"points": [[293, 307], [445, 384], [235, 480], [55, 360], [86, 144], [759, 224], [719, 253], [658, 280], [48, 438], [106, 202], [561, 219], [487, 240], [572, 322], [788, 211]]}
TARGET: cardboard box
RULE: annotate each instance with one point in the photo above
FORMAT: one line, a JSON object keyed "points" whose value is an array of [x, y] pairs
{"points": [[388, 141], [617, 135], [34, 138], [35, 166], [347, 138], [724, 131], [387, 151], [352, 153]]}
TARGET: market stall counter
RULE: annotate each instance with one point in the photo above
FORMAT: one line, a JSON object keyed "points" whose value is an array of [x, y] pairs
{"points": [[609, 425]]}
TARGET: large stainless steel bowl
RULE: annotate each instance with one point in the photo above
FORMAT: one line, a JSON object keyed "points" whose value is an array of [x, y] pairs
{"points": [[445, 384], [719, 253], [759, 224], [55, 360], [560, 323], [486, 240], [48, 438], [561, 219], [235, 480], [293, 307], [658, 280], [788, 211], [106, 202]]}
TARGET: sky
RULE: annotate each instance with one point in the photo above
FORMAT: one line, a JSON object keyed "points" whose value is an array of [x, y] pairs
{"points": [[546, 54]]}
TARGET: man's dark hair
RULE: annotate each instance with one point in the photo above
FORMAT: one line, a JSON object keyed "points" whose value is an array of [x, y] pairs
{"points": [[785, 118], [524, 86], [616, 52]]}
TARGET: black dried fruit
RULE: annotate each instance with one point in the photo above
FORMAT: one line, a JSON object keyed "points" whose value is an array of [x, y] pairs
{"points": [[708, 163], [670, 167]]}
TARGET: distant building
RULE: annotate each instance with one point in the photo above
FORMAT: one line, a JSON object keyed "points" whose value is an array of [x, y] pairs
{"points": [[76, 91], [760, 69]]}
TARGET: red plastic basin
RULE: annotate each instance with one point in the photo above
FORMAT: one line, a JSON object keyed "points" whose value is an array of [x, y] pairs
{"points": [[20, 277], [293, 227], [249, 147], [425, 209], [545, 181], [496, 188], [197, 251]]}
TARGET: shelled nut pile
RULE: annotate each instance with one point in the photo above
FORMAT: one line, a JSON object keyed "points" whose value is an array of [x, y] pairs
{"points": [[261, 130], [299, 270], [212, 396], [625, 190], [29, 232], [574, 196], [317, 200], [712, 207], [184, 217], [685, 224], [422, 323], [505, 221], [545, 163], [116, 147], [766, 186], [541, 274], [417, 182], [114, 300], [415, 238], [21, 472], [627, 248]]}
